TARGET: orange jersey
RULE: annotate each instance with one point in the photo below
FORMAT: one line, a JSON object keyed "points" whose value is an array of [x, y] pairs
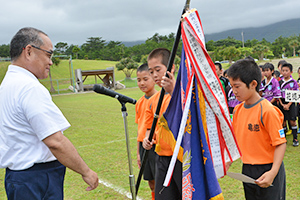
{"points": [[150, 111], [258, 130], [140, 110]]}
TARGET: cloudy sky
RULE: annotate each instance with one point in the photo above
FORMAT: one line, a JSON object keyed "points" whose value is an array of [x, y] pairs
{"points": [[73, 21]]}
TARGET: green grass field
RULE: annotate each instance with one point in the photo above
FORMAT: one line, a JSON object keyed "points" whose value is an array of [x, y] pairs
{"points": [[97, 132]]}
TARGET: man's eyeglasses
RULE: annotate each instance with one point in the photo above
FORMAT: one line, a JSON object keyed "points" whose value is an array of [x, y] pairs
{"points": [[49, 52]]}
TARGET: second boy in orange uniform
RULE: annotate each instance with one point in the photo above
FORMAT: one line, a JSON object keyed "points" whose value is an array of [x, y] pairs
{"points": [[158, 61], [146, 84]]}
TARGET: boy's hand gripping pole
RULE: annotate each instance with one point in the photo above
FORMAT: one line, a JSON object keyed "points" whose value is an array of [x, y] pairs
{"points": [[161, 97]]}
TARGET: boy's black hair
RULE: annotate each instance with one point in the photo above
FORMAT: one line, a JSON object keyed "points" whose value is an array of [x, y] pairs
{"points": [[219, 65], [225, 72], [281, 62], [277, 73], [143, 67], [298, 69], [249, 58], [289, 65], [268, 66], [163, 53], [246, 70]]}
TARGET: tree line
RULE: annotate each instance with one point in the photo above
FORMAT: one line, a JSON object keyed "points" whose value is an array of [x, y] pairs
{"points": [[96, 48]]}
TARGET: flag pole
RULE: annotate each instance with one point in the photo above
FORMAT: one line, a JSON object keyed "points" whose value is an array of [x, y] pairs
{"points": [[161, 97]]}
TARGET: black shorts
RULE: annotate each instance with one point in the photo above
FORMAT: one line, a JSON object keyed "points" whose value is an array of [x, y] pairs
{"points": [[174, 190], [254, 192], [290, 114], [149, 170], [298, 109]]}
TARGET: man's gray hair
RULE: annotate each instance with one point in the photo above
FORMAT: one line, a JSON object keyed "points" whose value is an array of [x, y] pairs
{"points": [[22, 38]]}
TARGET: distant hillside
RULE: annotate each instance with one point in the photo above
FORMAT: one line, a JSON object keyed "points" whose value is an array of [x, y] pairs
{"points": [[133, 43], [269, 32]]}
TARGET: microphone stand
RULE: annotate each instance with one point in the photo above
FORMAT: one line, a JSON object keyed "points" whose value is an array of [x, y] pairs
{"points": [[131, 176]]}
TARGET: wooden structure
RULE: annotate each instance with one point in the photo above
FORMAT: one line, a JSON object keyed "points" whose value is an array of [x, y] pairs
{"points": [[107, 76]]}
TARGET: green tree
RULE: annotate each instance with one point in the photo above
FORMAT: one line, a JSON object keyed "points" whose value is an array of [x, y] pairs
{"points": [[4, 50], [246, 51], [260, 50], [75, 50], [294, 44], [61, 47], [251, 43], [210, 45], [265, 42], [230, 53], [127, 65], [230, 41], [93, 47], [156, 41], [114, 50], [280, 44], [144, 59]]}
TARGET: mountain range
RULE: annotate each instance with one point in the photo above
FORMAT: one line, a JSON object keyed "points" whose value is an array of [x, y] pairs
{"points": [[269, 32]]}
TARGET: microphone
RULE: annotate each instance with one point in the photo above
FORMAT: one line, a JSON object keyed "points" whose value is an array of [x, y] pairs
{"points": [[122, 98]]}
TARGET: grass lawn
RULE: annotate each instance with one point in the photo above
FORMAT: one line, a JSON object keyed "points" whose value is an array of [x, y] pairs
{"points": [[97, 132]]}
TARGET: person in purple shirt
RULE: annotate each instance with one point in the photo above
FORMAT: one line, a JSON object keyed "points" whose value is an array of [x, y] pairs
{"points": [[261, 88], [231, 99], [271, 90], [288, 108]]}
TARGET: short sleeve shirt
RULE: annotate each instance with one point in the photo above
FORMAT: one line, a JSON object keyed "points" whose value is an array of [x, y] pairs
{"points": [[27, 116], [271, 89], [140, 110], [258, 130], [291, 84]]}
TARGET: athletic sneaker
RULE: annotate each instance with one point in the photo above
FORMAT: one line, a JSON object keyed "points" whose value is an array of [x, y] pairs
{"points": [[289, 132], [295, 143]]}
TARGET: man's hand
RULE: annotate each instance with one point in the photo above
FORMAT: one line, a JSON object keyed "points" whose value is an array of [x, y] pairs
{"points": [[91, 178], [65, 152]]}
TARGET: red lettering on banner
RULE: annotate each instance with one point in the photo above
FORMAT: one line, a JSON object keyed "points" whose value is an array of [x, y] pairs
{"points": [[187, 187]]}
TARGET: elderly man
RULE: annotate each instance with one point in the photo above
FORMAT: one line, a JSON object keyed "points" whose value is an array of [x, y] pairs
{"points": [[33, 149]]}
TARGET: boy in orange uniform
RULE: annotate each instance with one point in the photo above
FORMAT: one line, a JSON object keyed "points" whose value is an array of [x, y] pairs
{"points": [[258, 129], [157, 62], [146, 84]]}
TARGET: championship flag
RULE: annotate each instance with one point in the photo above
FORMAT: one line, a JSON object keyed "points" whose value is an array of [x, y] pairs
{"points": [[197, 123]]}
